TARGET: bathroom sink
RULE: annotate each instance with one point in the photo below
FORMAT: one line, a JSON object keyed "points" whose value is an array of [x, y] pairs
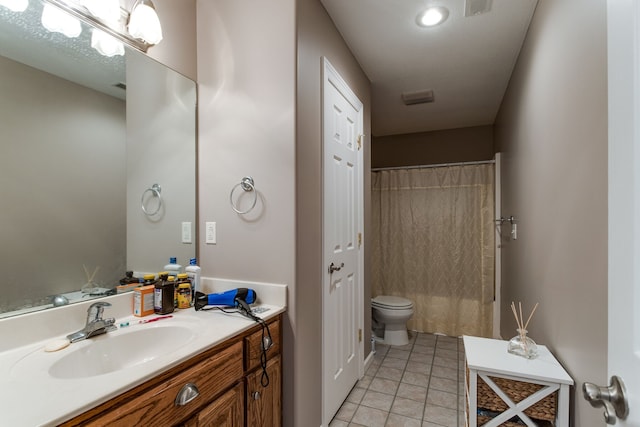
{"points": [[119, 350]]}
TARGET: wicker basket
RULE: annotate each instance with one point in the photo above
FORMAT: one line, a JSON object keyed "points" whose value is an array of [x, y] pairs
{"points": [[517, 391]]}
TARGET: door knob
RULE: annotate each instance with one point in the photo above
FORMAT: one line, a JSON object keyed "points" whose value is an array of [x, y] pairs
{"points": [[333, 267], [612, 398]]}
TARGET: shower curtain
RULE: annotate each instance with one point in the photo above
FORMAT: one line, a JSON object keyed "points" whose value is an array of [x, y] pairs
{"points": [[433, 242]]}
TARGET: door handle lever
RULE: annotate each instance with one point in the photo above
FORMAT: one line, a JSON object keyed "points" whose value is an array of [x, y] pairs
{"points": [[612, 398], [333, 267]]}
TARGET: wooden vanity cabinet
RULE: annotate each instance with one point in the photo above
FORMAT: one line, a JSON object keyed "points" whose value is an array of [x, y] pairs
{"points": [[228, 381]]}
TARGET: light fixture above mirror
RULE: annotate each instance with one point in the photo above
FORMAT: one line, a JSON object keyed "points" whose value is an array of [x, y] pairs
{"points": [[114, 25]]}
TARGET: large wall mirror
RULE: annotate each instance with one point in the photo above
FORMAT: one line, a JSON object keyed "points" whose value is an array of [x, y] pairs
{"points": [[89, 143]]}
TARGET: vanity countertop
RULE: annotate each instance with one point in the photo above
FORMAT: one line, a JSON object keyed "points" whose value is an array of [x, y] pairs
{"points": [[31, 396]]}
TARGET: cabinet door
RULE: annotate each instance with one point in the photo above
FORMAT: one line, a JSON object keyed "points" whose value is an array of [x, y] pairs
{"points": [[253, 346], [226, 411], [264, 404]]}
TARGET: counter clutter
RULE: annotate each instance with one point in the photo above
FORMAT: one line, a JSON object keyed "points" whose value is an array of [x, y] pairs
{"points": [[71, 381]]}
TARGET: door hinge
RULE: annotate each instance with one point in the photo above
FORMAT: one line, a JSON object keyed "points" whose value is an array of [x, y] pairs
{"points": [[359, 239], [360, 141], [359, 335]]}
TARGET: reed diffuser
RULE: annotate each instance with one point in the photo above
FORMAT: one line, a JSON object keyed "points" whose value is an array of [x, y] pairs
{"points": [[521, 344]]}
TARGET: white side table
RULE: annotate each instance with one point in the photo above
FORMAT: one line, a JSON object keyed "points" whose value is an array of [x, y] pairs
{"points": [[488, 358]]}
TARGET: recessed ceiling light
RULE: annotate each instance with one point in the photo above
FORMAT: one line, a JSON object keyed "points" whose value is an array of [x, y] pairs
{"points": [[433, 16]]}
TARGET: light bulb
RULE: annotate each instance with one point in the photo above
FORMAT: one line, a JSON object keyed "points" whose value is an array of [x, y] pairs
{"points": [[144, 23], [58, 21], [433, 16], [15, 5], [106, 44]]}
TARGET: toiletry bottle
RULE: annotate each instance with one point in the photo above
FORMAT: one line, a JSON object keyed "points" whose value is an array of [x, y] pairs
{"points": [[149, 279], [163, 296], [181, 279], [173, 268], [128, 278], [172, 281], [193, 271], [184, 295]]}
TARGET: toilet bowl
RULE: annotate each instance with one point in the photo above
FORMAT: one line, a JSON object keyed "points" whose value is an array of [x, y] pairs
{"points": [[390, 316]]}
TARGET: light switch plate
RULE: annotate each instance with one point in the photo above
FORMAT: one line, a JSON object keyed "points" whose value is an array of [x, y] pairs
{"points": [[210, 233], [186, 232]]}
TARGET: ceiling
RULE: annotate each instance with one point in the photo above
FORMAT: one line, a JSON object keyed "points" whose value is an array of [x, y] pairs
{"points": [[466, 61]]}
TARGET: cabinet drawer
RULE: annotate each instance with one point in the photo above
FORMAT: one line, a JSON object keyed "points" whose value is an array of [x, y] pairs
{"points": [[156, 406], [225, 411], [253, 345]]}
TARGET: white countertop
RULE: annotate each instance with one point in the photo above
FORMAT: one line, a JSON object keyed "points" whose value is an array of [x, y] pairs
{"points": [[490, 355], [30, 396]]}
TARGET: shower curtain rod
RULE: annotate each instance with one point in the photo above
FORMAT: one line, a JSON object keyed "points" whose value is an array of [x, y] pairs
{"points": [[439, 165]]}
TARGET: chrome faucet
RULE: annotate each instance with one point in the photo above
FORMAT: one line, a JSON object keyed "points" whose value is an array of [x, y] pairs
{"points": [[96, 325]]}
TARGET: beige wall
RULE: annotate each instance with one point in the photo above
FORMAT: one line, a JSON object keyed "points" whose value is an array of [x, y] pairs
{"points": [[428, 148], [552, 128], [161, 149], [62, 145], [177, 49], [317, 37], [246, 76]]}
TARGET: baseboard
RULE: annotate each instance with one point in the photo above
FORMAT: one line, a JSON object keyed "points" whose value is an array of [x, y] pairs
{"points": [[368, 361]]}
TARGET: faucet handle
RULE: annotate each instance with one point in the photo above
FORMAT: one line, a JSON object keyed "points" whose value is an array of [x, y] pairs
{"points": [[95, 310]]}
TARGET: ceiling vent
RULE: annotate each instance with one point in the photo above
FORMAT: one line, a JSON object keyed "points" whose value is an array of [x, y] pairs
{"points": [[476, 7], [419, 97]]}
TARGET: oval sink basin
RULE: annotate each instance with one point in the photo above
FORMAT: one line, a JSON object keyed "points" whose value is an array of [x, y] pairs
{"points": [[109, 353]]}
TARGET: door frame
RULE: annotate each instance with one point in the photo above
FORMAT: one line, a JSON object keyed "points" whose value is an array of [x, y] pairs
{"points": [[329, 75], [623, 68]]}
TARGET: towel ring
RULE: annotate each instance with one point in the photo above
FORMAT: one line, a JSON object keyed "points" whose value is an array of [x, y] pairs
{"points": [[246, 184], [155, 192]]}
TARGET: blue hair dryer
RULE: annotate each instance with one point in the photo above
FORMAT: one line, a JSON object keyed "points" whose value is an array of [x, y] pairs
{"points": [[230, 298]]}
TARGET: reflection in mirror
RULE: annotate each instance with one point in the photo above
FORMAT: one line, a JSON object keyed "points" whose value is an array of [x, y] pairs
{"points": [[83, 137]]}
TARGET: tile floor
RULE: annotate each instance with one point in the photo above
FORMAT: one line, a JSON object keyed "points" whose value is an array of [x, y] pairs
{"points": [[417, 385]]}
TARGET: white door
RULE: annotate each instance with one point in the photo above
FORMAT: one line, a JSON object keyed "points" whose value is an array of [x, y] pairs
{"points": [[623, 22], [342, 213]]}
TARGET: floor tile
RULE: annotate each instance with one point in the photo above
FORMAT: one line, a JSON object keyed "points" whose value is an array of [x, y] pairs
{"points": [[370, 417], [413, 392], [417, 385], [407, 407], [396, 420], [377, 400], [439, 415], [384, 385]]}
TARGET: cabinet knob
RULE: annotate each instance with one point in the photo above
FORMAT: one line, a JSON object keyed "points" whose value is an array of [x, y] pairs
{"points": [[256, 395], [186, 394]]}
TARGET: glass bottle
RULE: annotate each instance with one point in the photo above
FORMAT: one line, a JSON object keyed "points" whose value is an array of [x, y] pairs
{"points": [[522, 345]]}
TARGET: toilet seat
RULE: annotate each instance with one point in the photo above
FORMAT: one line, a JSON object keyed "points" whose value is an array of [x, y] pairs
{"points": [[389, 302]]}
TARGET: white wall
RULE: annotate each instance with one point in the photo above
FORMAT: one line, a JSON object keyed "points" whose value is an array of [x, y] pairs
{"points": [[552, 128]]}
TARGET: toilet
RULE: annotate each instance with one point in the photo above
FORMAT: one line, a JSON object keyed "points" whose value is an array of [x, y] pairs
{"points": [[390, 316]]}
